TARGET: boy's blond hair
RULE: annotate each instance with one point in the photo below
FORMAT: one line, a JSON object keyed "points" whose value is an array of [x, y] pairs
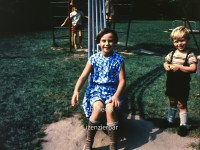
{"points": [[180, 32]]}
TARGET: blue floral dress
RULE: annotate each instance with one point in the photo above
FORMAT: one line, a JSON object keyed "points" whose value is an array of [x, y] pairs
{"points": [[103, 81]]}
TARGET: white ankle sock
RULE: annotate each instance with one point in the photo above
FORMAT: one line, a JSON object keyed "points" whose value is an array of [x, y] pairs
{"points": [[94, 121], [112, 123], [183, 118]]}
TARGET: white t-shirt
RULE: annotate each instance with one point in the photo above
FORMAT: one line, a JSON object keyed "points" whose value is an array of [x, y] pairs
{"points": [[76, 17]]}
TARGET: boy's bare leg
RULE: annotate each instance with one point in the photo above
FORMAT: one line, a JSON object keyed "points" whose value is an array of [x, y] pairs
{"points": [[80, 38], [74, 40], [172, 109], [183, 129]]}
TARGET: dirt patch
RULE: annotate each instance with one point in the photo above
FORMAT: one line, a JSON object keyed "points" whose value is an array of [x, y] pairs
{"points": [[135, 133]]}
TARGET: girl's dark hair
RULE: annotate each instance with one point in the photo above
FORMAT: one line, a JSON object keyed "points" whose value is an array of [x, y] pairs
{"points": [[106, 31]]}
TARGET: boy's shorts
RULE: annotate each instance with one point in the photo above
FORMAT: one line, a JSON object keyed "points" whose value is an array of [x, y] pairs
{"points": [[178, 85], [76, 28]]}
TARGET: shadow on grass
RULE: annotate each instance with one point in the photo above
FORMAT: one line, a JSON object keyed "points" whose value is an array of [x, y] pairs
{"points": [[161, 123], [136, 89], [156, 49]]}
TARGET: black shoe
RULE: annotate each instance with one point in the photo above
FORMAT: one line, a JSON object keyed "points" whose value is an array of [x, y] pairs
{"points": [[182, 131], [172, 125], [164, 124]]}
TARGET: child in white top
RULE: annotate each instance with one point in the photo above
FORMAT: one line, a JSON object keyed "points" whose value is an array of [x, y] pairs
{"points": [[76, 17]]}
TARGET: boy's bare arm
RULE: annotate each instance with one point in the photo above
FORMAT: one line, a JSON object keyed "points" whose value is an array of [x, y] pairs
{"points": [[64, 22], [189, 69], [167, 66]]}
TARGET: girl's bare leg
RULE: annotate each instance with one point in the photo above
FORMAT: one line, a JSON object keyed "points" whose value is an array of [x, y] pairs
{"points": [[112, 125], [94, 122]]}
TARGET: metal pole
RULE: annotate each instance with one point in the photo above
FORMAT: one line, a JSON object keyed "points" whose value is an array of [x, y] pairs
{"points": [[69, 26], [194, 38], [93, 47], [89, 28], [127, 34], [104, 13], [100, 14], [186, 16], [96, 21]]}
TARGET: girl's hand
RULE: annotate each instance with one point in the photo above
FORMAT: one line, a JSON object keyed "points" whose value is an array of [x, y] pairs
{"points": [[115, 101], [75, 99]]}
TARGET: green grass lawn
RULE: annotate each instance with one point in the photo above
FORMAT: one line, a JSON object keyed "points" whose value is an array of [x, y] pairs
{"points": [[37, 82]]}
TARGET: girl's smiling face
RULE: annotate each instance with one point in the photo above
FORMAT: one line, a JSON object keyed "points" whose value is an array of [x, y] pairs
{"points": [[107, 44]]}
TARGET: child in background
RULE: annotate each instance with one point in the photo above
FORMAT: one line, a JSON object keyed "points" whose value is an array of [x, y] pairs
{"points": [[179, 64], [107, 82], [77, 26], [110, 12]]}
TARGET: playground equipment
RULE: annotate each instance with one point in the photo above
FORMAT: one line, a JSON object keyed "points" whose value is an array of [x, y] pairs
{"points": [[192, 27], [123, 16], [187, 22], [184, 22], [96, 20], [57, 8]]}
